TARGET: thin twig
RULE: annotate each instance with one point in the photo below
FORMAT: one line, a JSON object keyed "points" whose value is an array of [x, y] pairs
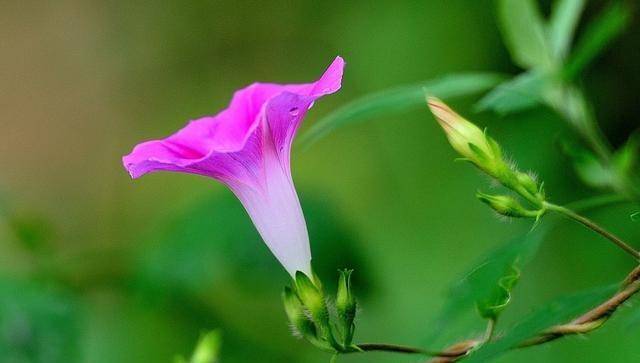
{"points": [[595, 227], [372, 347], [586, 323]]}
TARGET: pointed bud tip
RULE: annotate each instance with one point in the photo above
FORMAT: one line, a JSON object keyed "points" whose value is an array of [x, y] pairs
{"points": [[506, 205], [437, 106]]}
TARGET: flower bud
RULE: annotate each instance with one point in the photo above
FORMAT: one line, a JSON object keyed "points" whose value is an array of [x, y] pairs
{"points": [[507, 206], [468, 139], [346, 306]]}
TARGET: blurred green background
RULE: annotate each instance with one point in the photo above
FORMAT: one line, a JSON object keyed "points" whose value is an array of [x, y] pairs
{"points": [[97, 268]]}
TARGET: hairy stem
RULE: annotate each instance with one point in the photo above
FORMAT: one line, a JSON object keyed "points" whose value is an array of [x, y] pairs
{"points": [[594, 227]]}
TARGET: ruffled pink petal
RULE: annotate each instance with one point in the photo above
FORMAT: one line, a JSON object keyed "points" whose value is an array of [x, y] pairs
{"points": [[229, 131]]}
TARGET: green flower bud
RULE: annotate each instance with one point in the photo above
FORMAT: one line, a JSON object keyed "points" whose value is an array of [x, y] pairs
{"points": [[468, 139], [346, 306], [507, 206]]}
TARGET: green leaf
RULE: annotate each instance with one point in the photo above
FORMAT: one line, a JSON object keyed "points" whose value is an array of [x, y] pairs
{"points": [[500, 296], [596, 37], [625, 159], [517, 94], [523, 31], [497, 272], [557, 312], [634, 319], [33, 231], [489, 282], [588, 167], [564, 20], [39, 324], [400, 99]]}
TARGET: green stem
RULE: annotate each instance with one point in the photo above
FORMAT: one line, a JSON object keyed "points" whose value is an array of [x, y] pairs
{"points": [[594, 227], [491, 327]]}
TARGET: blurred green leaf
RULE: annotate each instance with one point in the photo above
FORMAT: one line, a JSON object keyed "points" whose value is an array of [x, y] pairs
{"points": [[562, 25], [588, 167], [207, 349], [500, 296], [556, 312], [634, 319], [599, 33], [400, 99], [523, 31], [483, 282], [487, 286], [34, 232], [517, 94], [625, 159], [215, 245], [38, 324]]}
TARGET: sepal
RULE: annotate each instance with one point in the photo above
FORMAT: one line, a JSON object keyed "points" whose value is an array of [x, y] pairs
{"points": [[507, 206], [346, 307]]}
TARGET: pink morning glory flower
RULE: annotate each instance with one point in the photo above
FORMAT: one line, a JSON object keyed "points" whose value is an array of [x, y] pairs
{"points": [[247, 147]]}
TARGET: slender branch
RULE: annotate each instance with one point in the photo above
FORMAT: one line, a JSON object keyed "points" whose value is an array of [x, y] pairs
{"points": [[588, 322], [373, 347], [591, 320], [595, 227], [585, 323], [594, 318]]}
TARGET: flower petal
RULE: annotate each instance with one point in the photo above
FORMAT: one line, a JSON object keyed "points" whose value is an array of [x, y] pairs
{"points": [[204, 143]]}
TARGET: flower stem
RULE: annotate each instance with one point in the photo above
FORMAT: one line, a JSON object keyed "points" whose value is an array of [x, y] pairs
{"points": [[594, 227]]}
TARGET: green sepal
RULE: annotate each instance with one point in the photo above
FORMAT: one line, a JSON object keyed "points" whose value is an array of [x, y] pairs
{"points": [[507, 206], [311, 296], [299, 321], [346, 307], [528, 182], [479, 153], [312, 299], [493, 144]]}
